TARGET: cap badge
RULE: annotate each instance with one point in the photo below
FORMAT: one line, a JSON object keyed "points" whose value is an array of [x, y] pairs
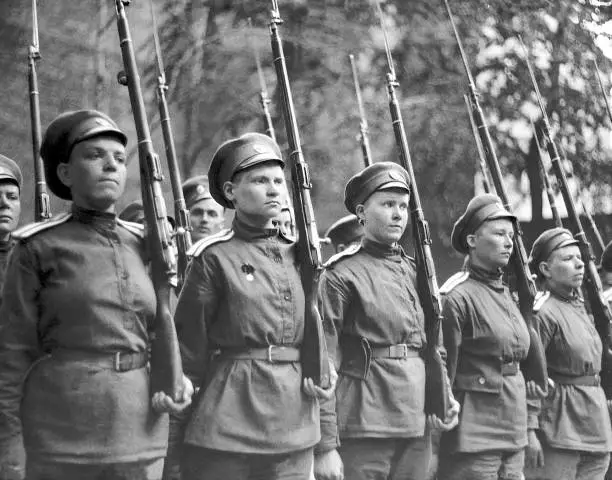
{"points": [[396, 176], [259, 148], [200, 189]]}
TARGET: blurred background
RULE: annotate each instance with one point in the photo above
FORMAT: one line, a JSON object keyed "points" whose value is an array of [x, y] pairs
{"points": [[214, 90]]}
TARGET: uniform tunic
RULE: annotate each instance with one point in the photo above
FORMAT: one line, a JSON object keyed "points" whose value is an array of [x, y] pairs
{"points": [[6, 247], [483, 329], [370, 293], [79, 290], [244, 290], [573, 417]]}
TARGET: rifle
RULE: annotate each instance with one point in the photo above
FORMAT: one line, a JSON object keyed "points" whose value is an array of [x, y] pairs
{"points": [[544, 176], [599, 307], [315, 362], [264, 99], [183, 225], [534, 366], [481, 155], [363, 124], [42, 206], [593, 225], [166, 368], [437, 389], [603, 90]]}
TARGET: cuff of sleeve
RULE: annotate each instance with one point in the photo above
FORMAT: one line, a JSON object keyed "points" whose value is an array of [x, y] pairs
{"points": [[329, 438], [532, 422], [326, 446]]}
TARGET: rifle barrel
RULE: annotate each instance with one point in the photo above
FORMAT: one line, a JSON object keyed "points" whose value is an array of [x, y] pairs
{"points": [[603, 90], [264, 99], [363, 124], [481, 155], [550, 194]]}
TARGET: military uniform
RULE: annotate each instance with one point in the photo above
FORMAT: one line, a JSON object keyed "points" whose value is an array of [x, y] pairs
{"points": [[485, 338], [9, 172], [344, 232], [375, 329], [240, 322], [75, 324], [574, 423]]}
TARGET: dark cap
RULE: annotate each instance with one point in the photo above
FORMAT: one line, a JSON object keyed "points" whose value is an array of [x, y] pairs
{"points": [[379, 176], [344, 231], [196, 189], [549, 241], [605, 263], [134, 212], [68, 129], [482, 208], [10, 171], [237, 155]]}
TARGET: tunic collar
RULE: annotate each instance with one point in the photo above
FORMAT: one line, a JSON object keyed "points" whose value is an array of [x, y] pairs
{"points": [[382, 250], [6, 245], [492, 278], [104, 220], [248, 232], [574, 298]]}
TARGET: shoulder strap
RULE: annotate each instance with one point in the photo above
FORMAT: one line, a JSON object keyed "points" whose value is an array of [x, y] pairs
{"points": [[32, 229], [348, 252], [136, 228], [201, 245], [540, 300], [455, 280]]}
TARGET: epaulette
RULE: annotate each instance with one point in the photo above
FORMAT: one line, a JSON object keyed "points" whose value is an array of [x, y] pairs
{"points": [[455, 280], [32, 229], [136, 228], [201, 245], [348, 252], [540, 300], [607, 295]]}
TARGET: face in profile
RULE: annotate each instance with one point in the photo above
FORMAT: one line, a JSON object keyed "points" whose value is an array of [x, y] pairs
{"points": [[492, 243], [564, 269], [95, 173]]}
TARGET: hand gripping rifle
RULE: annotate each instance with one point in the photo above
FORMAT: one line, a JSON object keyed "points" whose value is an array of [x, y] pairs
{"points": [[315, 362], [603, 90], [437, 390], [183, 225], [481, 155], [544, 176], [264, 99], [42, 207], [363, 124], [599, 307], [534, 366], [166, 369]]}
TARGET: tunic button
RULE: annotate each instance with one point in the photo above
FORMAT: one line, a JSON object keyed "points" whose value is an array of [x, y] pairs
{"points": [[287, 297], [481, 380]]}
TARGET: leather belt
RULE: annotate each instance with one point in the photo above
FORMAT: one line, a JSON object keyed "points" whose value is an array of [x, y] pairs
{"points": [[401, 350], [509, 369], [273, 354], [584, 380], [118, 361]]}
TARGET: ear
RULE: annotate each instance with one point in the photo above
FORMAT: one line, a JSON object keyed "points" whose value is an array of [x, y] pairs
{"points": [[544, 269], [228, 191], [63, 173], [360, 212], [471, 240]]}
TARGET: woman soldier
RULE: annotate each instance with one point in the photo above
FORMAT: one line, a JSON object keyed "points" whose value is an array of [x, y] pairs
{"points": [[485, 339], [240, 321], [75, 319], [375, 327], [574, 423]]}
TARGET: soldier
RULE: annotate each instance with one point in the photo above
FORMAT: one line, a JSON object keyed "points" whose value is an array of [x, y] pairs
{"points": [[240, 321], [207, 216], [485, 338], [344, 233], [375, 327], [574, 423], [12, 462], [286, 220], [75, 319]]}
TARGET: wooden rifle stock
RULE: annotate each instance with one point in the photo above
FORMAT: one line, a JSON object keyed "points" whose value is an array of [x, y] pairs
{"points": [[315, 361], [183, 225], [437, 388], [534, 366], [166, 368], [42, 206], [363, 124], [599, 307], [547, 186]]}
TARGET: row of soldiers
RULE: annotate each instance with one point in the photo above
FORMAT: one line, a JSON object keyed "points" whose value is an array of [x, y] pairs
{"points": [[78, 305]]}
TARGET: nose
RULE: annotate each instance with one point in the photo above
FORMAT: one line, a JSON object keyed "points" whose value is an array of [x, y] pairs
{"points": [[396, 212], [111, 162], [274, 190], [579, 263], [3, 201]]}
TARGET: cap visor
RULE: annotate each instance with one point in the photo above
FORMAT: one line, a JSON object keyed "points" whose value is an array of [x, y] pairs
{"points": [[390, 185], [260, 158], [97, 131]]}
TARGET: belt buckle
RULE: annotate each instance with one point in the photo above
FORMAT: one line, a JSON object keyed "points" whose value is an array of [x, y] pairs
{"points": [[270, 347], [117, 361], [404, 350]]}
